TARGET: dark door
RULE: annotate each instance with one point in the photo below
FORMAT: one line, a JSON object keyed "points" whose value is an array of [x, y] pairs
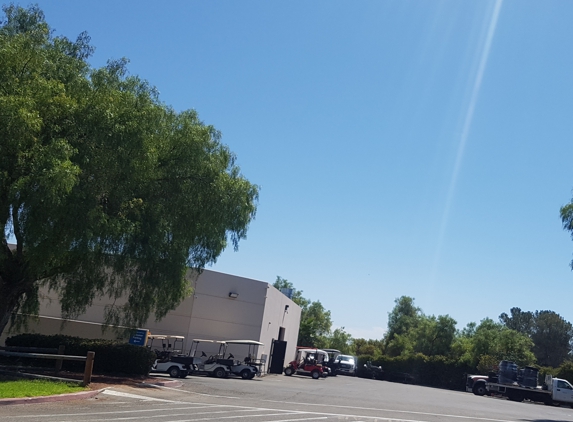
{"points": [[278, 351]]}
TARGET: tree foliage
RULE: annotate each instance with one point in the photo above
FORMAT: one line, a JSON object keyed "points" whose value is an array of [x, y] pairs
{"points": [[282, 283], [552, 338], [107, 191], [410, 331], [551, 334], [315, 321], [523, 322], [341, 340], [494, 339]]}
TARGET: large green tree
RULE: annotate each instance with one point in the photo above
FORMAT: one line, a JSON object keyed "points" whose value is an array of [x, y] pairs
{"points": [[105, 190], [551, 334], [494, 340], [434, 335], [411, 331], [403, 317], [552, 338], [518, 320]]}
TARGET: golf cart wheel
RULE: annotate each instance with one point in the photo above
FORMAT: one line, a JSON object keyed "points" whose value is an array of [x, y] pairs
{"points": [[174, 372], [288, 371], [246, 374], [220, 373], [315, 374]]}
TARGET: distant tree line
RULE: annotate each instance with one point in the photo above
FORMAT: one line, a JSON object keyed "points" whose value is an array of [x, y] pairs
{"points": [[542, 338]]}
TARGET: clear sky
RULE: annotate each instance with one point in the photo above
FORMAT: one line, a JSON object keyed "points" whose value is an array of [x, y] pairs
{"points": [[418, 148]]}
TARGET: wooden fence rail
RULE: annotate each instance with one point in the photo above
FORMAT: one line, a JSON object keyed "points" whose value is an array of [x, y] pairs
{"points": [[60, 351], [89, 360]]}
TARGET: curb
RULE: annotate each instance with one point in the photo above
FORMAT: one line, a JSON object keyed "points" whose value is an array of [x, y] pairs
{"points": [[46, 399], [167, 383], [81, 395]]}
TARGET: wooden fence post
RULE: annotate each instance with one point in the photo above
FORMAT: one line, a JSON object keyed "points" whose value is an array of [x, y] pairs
{"points": [[59, 362], [88, 369]]}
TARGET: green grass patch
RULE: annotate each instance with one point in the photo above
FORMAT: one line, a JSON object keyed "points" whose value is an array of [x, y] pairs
{"points": [[35, 388]]}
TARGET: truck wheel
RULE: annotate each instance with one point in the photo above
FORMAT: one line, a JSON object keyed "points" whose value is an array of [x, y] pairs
{"points": [[246, 374], [479, 389], [548, 401], [288, 371], [183, 374], [315, 374], [220, 373], [174, 372]]}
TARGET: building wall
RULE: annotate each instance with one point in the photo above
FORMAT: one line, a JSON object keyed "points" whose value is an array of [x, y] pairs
{"points": [[256, 313], [217, 316], [277, 315]]}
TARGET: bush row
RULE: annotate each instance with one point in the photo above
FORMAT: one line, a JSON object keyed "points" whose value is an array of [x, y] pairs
{"points": [[434, 371], [111, 357], [438, 371]]}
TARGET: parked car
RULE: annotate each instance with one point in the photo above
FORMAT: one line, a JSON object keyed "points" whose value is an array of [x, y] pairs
{"points": [[346, 365], [374, 372]]}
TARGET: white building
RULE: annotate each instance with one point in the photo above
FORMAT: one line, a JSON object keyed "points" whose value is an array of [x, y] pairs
{"points": [[222, 307]]}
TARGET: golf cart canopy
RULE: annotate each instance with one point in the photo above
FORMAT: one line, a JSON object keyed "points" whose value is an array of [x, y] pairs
{"points": [[164, 337], [319, 351], [247, 342]]}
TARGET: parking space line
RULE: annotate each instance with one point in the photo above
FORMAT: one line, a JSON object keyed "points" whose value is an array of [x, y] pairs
{"points": [[305, 419], [115, 412], [236, 417], [357, 408], [171, 415], [110, 392]]}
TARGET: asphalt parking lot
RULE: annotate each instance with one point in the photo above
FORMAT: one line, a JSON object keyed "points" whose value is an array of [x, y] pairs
{"points": [[280, 398]]}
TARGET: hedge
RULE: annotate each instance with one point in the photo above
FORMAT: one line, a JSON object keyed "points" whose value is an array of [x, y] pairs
{"points": [[111, 357], [434, 371]]}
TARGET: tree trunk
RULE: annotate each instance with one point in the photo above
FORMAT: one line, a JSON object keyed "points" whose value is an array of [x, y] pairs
{"points": [[11, 294]]}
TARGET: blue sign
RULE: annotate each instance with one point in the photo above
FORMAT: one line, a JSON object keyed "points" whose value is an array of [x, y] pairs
{"points": [[139, 338]]}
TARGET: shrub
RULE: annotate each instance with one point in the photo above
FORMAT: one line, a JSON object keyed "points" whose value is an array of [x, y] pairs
{"points": [[435, 371], [565, 371], [110, 356]]}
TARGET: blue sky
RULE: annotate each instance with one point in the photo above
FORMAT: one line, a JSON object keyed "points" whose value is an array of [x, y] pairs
{"points": [[418, 148]]}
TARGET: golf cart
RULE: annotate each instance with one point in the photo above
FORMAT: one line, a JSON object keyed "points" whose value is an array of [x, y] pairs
{"points": [[250, 365], [168, 356], [220, 367], [208, 364], [308, 362]]}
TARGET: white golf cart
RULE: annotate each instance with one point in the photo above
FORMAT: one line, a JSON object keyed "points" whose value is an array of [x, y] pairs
{"points": [[250, 365], [169, 357], [208, 364], [217, 365]]}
